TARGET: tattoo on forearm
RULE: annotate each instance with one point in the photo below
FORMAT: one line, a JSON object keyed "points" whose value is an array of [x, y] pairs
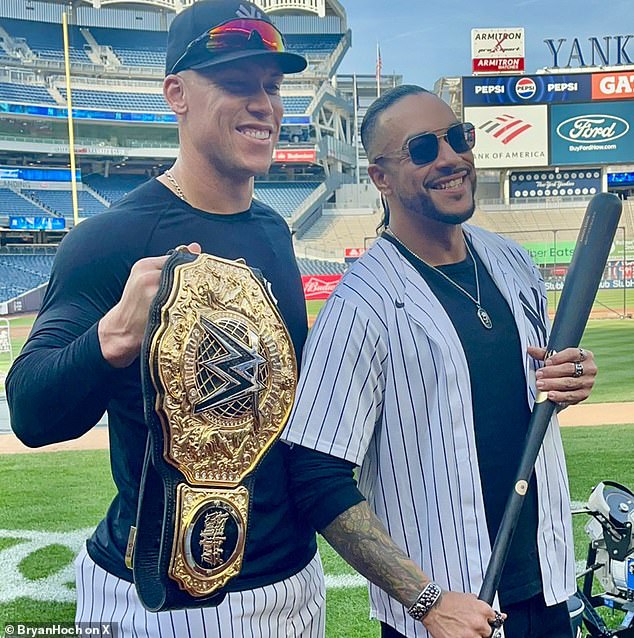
{"points": [[362, 540]]}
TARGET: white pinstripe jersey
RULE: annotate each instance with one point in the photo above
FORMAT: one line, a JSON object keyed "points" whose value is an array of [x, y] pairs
{"points": [[385, 385]]}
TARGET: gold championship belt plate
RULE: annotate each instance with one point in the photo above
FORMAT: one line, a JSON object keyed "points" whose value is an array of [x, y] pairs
{"points": [[219, 376]]}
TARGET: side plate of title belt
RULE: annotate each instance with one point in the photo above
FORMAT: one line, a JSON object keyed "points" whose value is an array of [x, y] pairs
{"points": [[219, 377]]}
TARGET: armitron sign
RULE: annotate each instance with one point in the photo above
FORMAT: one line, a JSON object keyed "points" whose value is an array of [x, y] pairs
{"points": [[497, 50]]}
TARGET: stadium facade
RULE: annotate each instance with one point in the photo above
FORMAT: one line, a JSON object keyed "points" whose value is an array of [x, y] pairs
{"points": [[546, 141]]}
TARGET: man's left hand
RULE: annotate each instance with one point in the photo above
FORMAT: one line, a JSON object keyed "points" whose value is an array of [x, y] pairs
{"points": [[567, 376]]}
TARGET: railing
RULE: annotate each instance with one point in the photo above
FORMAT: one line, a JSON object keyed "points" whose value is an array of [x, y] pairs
{"points": [[315, 6], [87, 68], [568, 201], [29, 249], [87, 83]]}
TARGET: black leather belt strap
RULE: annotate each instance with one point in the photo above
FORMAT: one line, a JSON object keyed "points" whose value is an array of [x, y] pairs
{"points": [[219, 375]]}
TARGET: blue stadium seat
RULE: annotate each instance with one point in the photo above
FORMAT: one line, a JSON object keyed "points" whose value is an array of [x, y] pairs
{"points": [[320, 267], [284, 197], [148, 49], [296, 104], [20, 273], [61, 202], [118, 101], [152, 102], [46, 40], [25, 94], [12, 204], [114, 187], [314, 43]]}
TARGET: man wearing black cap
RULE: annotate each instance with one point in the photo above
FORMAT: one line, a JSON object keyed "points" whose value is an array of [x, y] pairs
{"points": [[225, 63]]}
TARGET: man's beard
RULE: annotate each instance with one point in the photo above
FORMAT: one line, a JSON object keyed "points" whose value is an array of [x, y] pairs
{"points": [[423, 206]]}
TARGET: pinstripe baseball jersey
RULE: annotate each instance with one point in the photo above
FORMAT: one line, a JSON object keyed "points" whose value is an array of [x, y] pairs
{"points": [[385, 384]]}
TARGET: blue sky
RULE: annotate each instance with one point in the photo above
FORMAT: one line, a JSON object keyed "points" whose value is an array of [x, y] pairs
{"points": [[428, 39]]}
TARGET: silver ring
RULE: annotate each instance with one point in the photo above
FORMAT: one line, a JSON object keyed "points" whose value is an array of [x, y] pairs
{"points": [[582, 354], [578, 370], [496, 624]]}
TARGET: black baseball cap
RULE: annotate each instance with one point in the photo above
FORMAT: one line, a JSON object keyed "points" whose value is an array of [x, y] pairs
{"points": [[211, 32]]}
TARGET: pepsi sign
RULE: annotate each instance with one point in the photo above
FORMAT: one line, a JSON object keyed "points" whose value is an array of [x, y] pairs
{"points": [[526, 89]]}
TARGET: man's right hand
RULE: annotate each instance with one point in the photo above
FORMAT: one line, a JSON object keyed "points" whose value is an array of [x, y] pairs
{"points": [[460, 615], [122, 328]]}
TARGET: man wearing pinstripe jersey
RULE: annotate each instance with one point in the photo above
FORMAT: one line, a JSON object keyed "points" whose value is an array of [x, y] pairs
{"points": [[421, 369]]}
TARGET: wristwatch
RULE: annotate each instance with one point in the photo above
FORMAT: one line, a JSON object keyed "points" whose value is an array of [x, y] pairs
{"points": [[426, 600]]}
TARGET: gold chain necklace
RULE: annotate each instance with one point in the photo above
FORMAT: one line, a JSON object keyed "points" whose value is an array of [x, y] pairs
{"points": [[483, 315], [172, 180]]}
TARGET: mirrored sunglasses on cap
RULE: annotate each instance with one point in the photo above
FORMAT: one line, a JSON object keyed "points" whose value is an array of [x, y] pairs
{"points": [[423, 148], [234, 35]]}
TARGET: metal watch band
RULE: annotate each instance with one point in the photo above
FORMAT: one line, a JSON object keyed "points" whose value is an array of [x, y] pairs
{"points": [[426, 600]]}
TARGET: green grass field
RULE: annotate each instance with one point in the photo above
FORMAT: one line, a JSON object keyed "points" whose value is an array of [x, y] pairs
{"points": [[611, 341], [46, 512]]}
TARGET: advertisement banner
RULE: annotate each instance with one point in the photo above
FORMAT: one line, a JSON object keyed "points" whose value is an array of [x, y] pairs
{"points": [[352, 254], [295, 155], [509, 136], [497, 50], [606, 284], [545, 253], [613, 86], [21, 222], [596, 133], [319, 286], [526, 89], [527, 185]]}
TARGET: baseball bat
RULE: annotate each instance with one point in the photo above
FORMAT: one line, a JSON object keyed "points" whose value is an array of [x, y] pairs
{"points": [[580, 288]]}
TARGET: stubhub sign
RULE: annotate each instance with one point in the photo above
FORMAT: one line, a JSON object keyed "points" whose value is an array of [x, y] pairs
{"points": [[526, 89]]}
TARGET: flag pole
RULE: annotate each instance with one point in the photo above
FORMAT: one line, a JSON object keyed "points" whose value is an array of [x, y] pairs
{"points": [[69, 110], [379, 66], [355, 97]]}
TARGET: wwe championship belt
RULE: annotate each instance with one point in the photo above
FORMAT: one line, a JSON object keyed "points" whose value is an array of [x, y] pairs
{"points": [[219, 376]]}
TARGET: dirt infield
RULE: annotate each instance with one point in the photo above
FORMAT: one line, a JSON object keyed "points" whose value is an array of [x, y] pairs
{"points": [[576, 415]]}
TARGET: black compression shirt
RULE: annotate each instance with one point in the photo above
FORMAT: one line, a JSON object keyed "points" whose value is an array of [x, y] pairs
{"points": [[60, 385]]}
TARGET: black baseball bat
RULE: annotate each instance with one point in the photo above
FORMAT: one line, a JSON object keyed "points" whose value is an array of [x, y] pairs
{"points": [[580, 288]]}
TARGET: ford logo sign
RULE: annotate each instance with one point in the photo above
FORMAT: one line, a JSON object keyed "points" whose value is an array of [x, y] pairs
{"points": [[586, 128]]}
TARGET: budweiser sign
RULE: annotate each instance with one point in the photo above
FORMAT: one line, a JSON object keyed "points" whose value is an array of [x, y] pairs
{"points": [[319, 286]]}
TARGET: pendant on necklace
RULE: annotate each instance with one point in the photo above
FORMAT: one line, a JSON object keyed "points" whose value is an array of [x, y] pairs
{"points": [[483, 315]]}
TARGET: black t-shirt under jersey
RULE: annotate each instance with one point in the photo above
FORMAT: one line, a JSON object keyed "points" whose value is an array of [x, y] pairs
{"points": [[60, 385], [500, 409]]}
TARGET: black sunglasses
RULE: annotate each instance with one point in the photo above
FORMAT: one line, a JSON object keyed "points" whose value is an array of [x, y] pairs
{"points": [[423, 148]]}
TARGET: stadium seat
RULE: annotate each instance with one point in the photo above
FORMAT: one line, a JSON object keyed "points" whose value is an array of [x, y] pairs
{"points": [[12, 204], [320, 267], [45, 41], [60, 201], [24, 94], [20, 273], [286, 197], [148, 49], [114, 187]]}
